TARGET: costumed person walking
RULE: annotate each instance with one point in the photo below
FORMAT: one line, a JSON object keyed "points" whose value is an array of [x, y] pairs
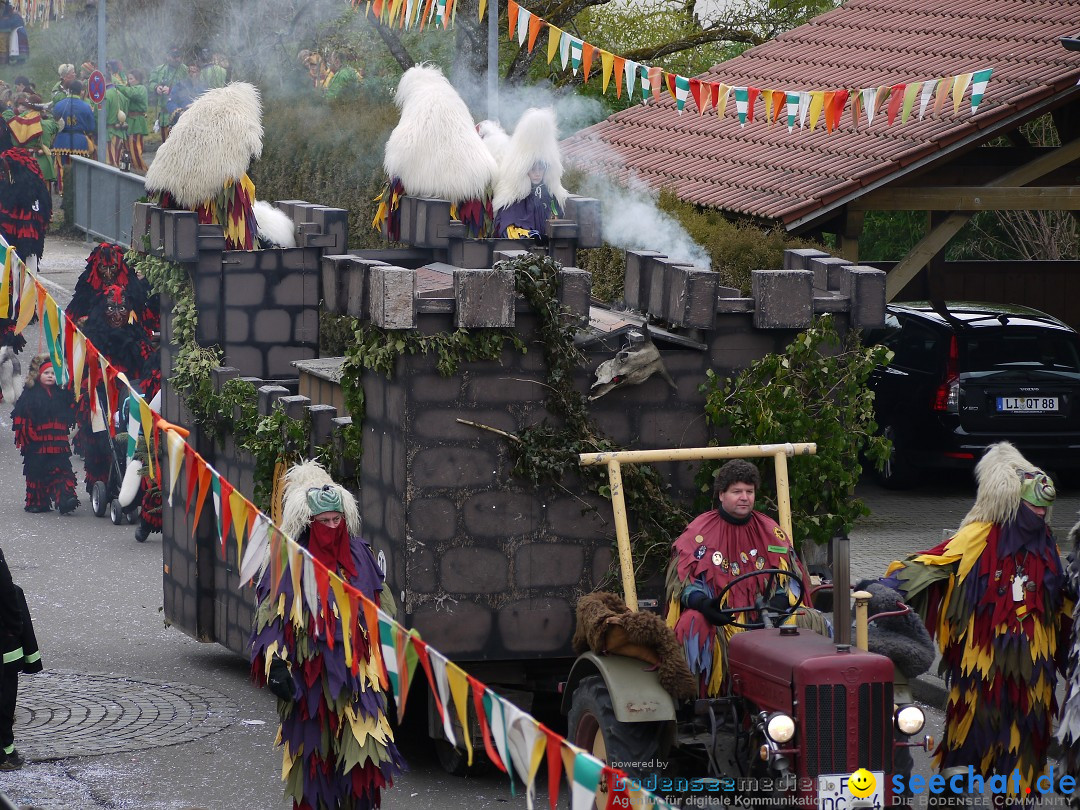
{"points": [[106, 267], [116, 106], [77, 135], [718, 546], [161, 81], [20, 656], [435, 151], [528, 187], [137, 125], [339, 748], [203, 166], [993, 596], [42, 420], [35, 133]]}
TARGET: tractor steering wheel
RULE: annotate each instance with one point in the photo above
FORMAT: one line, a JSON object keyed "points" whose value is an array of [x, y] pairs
{"points": [[780, 616]]}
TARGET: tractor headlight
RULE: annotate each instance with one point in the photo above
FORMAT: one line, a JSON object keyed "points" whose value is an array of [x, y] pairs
{"points": [[910, 720], [780, 728]]}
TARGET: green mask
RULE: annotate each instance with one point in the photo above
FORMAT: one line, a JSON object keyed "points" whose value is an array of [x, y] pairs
{"points": [[1038, 490], [325, 499]]}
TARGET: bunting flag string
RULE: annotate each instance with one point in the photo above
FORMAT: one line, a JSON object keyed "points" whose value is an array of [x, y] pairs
{"points": [[576, 54], [373, 641]]}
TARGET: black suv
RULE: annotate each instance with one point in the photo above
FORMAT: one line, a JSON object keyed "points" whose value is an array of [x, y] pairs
{"points": [[966, 375]]}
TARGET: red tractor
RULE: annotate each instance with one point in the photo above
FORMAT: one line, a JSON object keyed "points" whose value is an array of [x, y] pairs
{"points": [[801, 714]]}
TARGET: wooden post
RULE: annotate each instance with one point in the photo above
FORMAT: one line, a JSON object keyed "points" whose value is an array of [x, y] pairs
{"points": [[622, 534], [862, 629]]}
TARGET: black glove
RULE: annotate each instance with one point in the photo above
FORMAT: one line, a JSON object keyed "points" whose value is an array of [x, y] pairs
{"points": [[707, 607], [280, 681]]}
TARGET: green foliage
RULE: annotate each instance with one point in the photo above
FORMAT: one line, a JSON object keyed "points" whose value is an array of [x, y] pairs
{"points": [[888, 236], [234, 411], [333, 155], [545, 453], [814, 392], [608, 266], [735, 248]]}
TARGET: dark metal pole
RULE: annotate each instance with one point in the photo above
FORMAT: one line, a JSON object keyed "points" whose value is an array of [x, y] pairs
{"points": [[841, 590], [101, 145]]}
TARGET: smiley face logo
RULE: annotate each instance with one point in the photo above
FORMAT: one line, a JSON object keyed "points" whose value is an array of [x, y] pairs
{"points": [[861, 783]]}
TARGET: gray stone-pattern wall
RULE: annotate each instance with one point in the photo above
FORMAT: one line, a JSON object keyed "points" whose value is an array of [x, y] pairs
{"points": [[485, 566]]}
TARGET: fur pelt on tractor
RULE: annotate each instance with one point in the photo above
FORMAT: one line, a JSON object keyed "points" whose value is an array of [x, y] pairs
{"points": [[606, 625]]}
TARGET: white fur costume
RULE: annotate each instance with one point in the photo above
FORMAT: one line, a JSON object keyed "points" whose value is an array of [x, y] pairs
{"points": [[274, 225], [535, 139], [435, 150]]}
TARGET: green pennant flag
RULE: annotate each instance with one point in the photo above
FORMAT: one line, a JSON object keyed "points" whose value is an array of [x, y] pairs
{"points": [[682, 88], [979, 81]]}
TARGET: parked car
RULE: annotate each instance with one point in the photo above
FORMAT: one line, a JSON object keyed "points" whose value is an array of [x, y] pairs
{"points": [[965, 375]]}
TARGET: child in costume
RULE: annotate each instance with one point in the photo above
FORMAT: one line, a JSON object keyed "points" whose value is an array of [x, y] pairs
{"points": [[528, 187], [20, 655], [42, 419], [339, 748], [993, 596]]}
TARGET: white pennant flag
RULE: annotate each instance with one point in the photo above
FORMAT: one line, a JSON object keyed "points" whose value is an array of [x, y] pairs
{"points": [[498, 732], [438, 669], [523, 25], [174, 447], [255, 551], [869, 94], [927, 94], [524, 736], [631, 71], [804, 107], [564, 49]]}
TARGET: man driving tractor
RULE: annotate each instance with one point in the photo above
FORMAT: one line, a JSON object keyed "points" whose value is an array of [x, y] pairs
{"points": [[715, 549]]}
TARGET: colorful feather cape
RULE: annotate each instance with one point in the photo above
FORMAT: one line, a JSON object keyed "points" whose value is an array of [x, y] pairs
{"points": [[339, 749], [709, 554], [999, 640]]}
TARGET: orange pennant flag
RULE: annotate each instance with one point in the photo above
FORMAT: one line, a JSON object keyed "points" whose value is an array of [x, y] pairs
{"points": [[944, 90], [371, 618], [587, 52], [837, 102], [779, 104], [534, 29], [204, 488], [752, 94], [619, 65], [656, 78], [856, 108], [512, 16]]}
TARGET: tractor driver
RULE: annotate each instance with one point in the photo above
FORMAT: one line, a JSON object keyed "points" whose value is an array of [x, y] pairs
{"points": [[716, 548]]}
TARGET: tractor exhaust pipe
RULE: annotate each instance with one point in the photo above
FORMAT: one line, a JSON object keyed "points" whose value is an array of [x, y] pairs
{"points": [[842, 592]]}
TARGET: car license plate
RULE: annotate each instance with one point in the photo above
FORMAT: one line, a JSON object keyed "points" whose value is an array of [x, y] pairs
{"points": [[833, 793], [1027, 404]]}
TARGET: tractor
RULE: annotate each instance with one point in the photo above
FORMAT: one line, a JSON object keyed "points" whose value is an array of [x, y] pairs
{"points": [[801, 712]]}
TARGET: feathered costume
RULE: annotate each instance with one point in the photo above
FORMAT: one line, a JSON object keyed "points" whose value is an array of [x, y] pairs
{"points": [[1068, 731], [42, 419], [992, 595], [435, 151], [339, 750], [202, 167], [128, 347], [105, 267], [710, 553], [523, 207], [25, 213]]}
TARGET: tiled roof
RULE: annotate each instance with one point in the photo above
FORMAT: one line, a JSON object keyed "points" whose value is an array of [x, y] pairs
{"points": [[764, 171]]}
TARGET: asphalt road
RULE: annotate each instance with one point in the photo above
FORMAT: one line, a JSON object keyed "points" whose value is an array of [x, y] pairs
{"points": [[134, 714]]}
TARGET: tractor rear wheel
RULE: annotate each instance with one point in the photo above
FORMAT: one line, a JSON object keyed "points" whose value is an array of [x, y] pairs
{"points": [[631, 747]]}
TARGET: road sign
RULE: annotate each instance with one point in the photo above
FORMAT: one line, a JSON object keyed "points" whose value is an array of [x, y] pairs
{"points": [[95, 87]]}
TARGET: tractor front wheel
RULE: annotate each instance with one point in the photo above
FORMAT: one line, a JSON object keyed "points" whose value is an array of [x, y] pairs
{"points": [[631, 747]]}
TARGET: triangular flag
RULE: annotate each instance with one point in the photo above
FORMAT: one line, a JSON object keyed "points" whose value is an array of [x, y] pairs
{"points": [[979, 80], [255, 551], [239, 508], [912, 90], [174, 450], [146, 416], [896, 98], [5, 283], [619, 69], [944, 87], [478, 691], [27, 304], [607, 62], [869, 102], [511, 17], [296, 556], [778, 102], [856, 107], [524, 20], [534, 28], [497, 722], [682, 88], [804, 107], [752, 94], [371, 624], [564, 48], [309, 584], [645, 84], [714, 96], [630, 68], [553, 745], [527, 748], [576, 46], [655, 81], [554, 40], [206, 480], [742, 100], [959, 86], [344, 606], [792, 110], [700, 94], [78, 364], [926, 94], [836, 108], [459, 689], [587, 53], [438, 672], [191, 467], [817, 104], [587, 771]]}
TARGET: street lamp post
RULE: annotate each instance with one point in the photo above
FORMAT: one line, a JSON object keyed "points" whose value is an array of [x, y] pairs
{"points": [[101, 144]]}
